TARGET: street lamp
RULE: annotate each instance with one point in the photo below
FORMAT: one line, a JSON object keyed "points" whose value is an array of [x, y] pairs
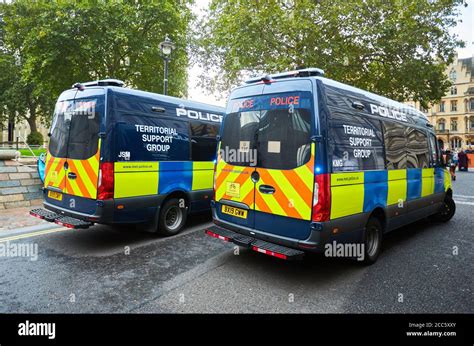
{"points": [[166, 47]]}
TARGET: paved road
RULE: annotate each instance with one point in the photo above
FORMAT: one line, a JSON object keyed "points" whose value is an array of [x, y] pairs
{"points": [[92, 271]]}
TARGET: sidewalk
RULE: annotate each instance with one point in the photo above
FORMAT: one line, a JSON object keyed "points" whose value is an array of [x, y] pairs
{"points": [[18, 218]]}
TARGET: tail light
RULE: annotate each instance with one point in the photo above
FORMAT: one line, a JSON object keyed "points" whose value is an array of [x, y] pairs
{"points": [[321, 198], [106, 181]]}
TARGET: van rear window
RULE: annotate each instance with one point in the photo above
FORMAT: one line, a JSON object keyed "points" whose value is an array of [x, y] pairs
{"points": [[75, 128], [276, 136]]}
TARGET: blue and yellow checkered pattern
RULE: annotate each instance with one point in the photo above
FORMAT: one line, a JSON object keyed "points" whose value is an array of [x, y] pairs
{"points": [[358, 192], [133, 179]]}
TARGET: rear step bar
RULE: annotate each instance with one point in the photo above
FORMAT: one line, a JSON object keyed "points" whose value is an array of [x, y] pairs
{"points": [[254, 244], [62, 220]]}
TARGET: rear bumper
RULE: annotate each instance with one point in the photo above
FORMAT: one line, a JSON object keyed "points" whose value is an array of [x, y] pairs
{"points": [[104, 212], [345, 230], [118, 210], [255, 244]]}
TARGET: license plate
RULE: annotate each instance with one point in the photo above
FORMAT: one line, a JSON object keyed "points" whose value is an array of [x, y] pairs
{"points": [[234, 211], [55, 195]]}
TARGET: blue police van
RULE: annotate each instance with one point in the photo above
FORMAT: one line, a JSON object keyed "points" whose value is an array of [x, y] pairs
{"points": [[332, 165], [118, 155]]}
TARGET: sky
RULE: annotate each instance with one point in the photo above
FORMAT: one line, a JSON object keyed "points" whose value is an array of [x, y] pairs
{"points": [[464, 29]]}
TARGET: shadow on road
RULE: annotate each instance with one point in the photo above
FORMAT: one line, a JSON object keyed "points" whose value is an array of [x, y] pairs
{"points": [[315, 267], [104, 240]]}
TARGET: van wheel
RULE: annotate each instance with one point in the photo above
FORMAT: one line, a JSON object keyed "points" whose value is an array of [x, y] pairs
{"points": [[172, 217], [373, 235], [447, 211]]}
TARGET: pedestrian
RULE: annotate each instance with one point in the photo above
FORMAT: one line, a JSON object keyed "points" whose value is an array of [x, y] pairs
{"points": [[451, 164], [462, 158]]}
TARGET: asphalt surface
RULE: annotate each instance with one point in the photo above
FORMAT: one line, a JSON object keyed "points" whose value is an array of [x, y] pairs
{"points": [[126, 270]]}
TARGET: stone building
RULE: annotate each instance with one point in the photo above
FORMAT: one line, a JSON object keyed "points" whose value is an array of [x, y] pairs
{"points": [[453, 116], [9, 132]]}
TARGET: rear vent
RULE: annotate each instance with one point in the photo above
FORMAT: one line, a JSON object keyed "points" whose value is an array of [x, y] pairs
{"points": [[307, 72]]}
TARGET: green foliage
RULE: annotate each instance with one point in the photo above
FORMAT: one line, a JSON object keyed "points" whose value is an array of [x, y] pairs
{"points": [[35, 138], [50, 45], [397, 48], [27, 152]]}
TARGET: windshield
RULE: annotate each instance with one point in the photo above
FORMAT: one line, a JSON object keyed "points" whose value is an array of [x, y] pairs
{"points": [[276, 136], [75, 128]]}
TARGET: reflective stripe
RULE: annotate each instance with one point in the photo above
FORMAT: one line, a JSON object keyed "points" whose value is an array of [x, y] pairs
{"points": [[427, 182], [237, 177], [87, 176], [203, 174], [347, 194], [447, 180], [55, 173], [133, 179], [293, 196], [397, 186], [135, 166]]}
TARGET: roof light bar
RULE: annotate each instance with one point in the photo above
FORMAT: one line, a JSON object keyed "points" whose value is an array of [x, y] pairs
{"points": [[307, 72]]}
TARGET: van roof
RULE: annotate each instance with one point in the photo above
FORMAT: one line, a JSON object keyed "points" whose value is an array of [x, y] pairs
{"points": [[153, 96], [380, 99], [166, 98], [384, 101]]}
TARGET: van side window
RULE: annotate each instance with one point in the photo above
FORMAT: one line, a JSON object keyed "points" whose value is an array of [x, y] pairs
{"points": [[417, 149], [203, 141], [434, 150], [355, 143], [395, 145]]}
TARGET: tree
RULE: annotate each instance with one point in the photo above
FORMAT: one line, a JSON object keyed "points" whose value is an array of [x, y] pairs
{"points": [[51, 45], [397, 48]]}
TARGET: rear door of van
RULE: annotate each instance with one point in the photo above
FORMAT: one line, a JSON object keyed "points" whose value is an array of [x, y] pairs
{"points": [[72, 167], [285, 160], [273, 184], [234, 188]]}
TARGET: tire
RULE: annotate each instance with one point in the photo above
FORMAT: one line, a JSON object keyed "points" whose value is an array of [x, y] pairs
{"points": [[448, 209], [373, 236], [172, 217]]}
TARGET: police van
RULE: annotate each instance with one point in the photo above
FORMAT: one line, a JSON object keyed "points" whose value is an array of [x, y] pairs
{"points": [[320, 162], [118, 155]]}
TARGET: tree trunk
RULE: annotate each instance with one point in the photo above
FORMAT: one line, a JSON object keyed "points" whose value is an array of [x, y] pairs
{"points": [[32, 119]]}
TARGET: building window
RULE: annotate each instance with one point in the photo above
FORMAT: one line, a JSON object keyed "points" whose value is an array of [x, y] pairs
{"points": [[471, 104], [441, 125], [453, 75], [454, 125], [456, 143], [454, 90], [471, 123], [441, 106], [454, 106]]}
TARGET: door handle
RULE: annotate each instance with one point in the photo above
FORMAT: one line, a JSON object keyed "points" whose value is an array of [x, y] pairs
{"points": [[267, 189], [72, 175]]}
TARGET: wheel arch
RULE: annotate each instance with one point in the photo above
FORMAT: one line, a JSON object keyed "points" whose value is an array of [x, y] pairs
{"points": [[381, 215]]}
